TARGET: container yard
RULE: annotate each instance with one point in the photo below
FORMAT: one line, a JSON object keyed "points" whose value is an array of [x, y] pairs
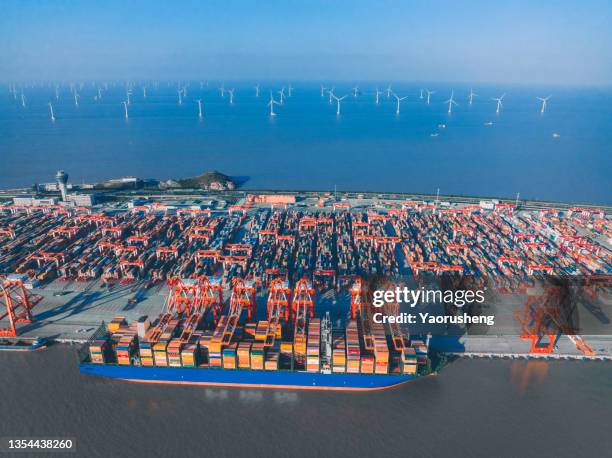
{"points": [[154, 243]]}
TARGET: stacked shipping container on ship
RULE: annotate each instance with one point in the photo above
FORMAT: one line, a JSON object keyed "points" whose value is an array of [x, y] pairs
{"points": [[338, 350], [313, 350], [353, 350]]}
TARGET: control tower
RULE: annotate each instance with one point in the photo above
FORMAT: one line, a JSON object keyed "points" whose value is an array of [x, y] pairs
{"points": [[62, 179]]}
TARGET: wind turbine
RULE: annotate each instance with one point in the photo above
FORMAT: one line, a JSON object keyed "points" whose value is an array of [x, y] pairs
{"points": [[144, 92], [271, 104], [76, 99], [398, 99], [429, 94], [421, 96], [231, 93], [222, 90], [472, 95], [22, 100], [355, 91], [499, 103], [56, 92], [257, 90], [128, 94], [200, 109], [323, 88], [451, 102], [180, 96], [378, 96], [125, 109], [51, 110], [290, 90], [99, 94], [282, 95], [542, 99], [338, 100], [389, 91], [331, 94]]}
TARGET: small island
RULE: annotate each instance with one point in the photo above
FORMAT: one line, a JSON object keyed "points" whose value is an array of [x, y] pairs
{"points": [[208, 181]]}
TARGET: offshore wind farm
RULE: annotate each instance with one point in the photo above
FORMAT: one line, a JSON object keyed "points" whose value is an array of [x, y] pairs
{"points": [[485, 140]]}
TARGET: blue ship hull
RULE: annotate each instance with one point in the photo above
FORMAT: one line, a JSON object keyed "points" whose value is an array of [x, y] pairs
{"points": [[246, 378], [24, 345]]}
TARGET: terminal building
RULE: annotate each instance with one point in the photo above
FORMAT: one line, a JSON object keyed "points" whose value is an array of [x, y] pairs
{"points": [[29, 200], [61, 185]]}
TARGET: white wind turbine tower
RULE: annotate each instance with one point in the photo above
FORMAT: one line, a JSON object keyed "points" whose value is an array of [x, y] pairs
{"points": [[22, 100], [76, 99], [99, 94], [331, 94], [144, 92], [323, 88], [180, 96], [499, 103], [282, 95], [543, 100], [56, 92], [355, 91], [389, 91], [257, 90], [398, 100], [338, 100], [125, 109], [51, 111], [128, 95], [271, 104], [472, 95], [222, 90], [429, 94], [231, 93], [451, 102], [200, 115], [378, 93], [290, 91], [421, 96]]}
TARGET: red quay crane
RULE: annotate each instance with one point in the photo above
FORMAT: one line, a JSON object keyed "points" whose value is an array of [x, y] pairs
{"points": [[278, 300], [356, 297], [543, 320], [194, 295], [243, 296], [14, 304], [303, 300]]}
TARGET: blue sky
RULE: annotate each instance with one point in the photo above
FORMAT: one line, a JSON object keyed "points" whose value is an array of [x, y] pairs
{"points": [[567, 42]]}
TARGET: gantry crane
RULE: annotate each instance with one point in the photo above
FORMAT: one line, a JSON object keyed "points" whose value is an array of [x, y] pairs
{"points": [[302, 308], [278, 309], [196, 295], [14, 304], [544, 318], [278, 300], [243, 296]]}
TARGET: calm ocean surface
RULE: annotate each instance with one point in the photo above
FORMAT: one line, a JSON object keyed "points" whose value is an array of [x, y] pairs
{"points": [[487, 408], [308, 147]]}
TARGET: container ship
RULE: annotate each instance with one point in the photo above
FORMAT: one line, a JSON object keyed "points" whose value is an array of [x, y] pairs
{"points": [[194, 342]]}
